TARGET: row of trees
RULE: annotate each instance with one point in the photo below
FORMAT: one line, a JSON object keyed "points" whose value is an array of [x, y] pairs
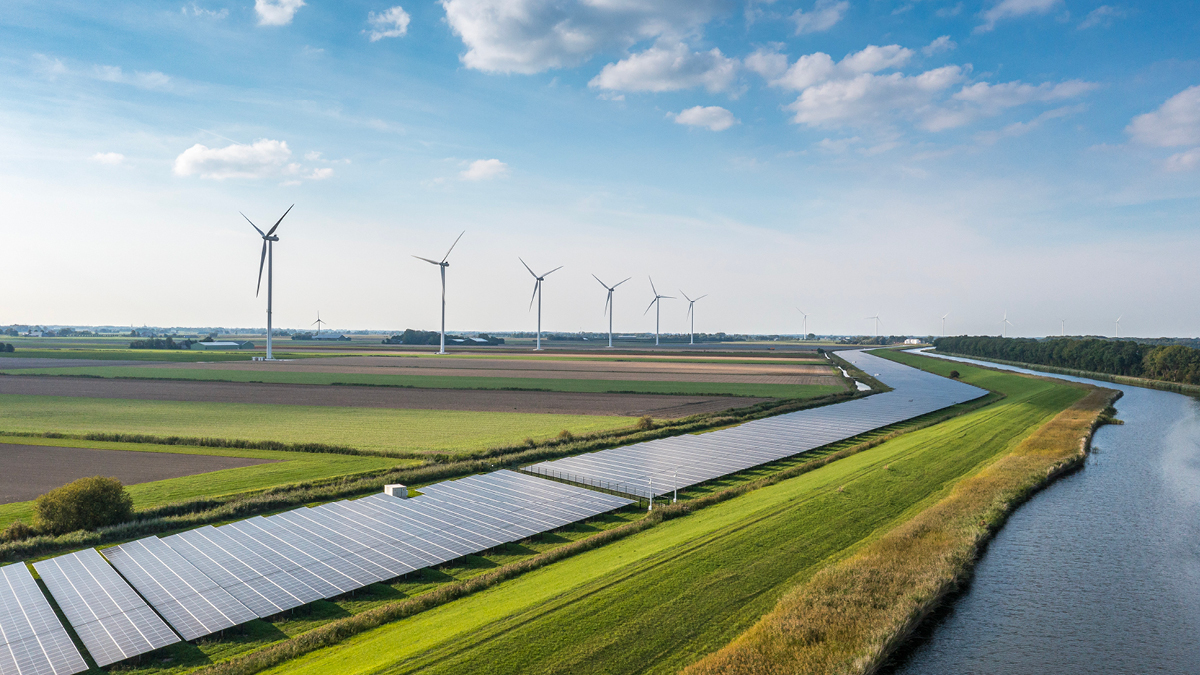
{"points": [[162, 343], [1174, 363], [432, 337], [5, 347]]}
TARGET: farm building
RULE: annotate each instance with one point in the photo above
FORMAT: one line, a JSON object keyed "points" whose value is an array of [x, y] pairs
{"points": [[225, 345]]}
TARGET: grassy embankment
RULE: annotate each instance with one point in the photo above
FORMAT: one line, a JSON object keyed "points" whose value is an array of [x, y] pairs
{"points": [[446, 381], [1162, 385], [660, 599], [850, 616], [287, 467]]}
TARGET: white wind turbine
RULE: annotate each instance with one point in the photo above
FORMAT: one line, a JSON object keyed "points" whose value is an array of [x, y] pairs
{"points": [[1004, 326], [537, 295], [657, 303], [691, 313], [944, 323], [268, 257], [805, 323], [318, 322], [442, 268], [608, 303], [877, 322], [1063, 330], [1118, 334]]}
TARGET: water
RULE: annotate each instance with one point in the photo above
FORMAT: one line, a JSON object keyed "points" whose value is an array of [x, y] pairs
{"points": [[1098, 573]]}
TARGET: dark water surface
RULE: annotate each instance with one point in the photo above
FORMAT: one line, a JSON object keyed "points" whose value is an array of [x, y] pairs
{"points": [[1098, 573]]}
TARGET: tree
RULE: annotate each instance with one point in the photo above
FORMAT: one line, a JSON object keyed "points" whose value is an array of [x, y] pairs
{"points": [[85, 504]]}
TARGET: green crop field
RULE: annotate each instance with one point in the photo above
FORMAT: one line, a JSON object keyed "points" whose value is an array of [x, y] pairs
{"points": [[289, 467], [448, 382], [379, 429], [659, 600], [121, 354]]}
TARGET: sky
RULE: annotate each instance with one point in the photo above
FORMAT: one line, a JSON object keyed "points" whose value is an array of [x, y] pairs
{"points": [[1035, 159]]}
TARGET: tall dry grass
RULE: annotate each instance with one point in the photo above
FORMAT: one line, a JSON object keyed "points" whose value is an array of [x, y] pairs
{"points": [[849, 617]]}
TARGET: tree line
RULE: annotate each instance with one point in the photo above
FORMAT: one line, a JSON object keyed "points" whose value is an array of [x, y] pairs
{"points": [[1171, 363], [161, 343]]}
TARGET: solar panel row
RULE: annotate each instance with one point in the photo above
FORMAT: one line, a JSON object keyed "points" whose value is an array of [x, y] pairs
{"points": [[32, 641], [657, 467]]}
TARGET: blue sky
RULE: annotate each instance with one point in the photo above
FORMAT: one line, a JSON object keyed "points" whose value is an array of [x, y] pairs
{"points": [[1034, 157]]}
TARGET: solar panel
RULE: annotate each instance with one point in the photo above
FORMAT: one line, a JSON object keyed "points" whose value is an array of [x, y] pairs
{"points": [[657, 467], [109, 617], [32, 640], [192, 603], [290, 554]]}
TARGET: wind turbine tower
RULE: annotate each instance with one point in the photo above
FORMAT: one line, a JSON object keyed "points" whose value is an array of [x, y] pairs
{"points": [[1118, 334], [268, 257], [944, 323], [805, 322], [442, 267], [657, 304], [318, 322], [608, 303], [1004, 326], [1063, 330], [691, 313], [877, 322], [537, 295]]}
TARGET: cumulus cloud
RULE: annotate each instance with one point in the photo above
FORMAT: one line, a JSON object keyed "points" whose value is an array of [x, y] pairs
{"points": [[110, 158], [1184, 161], [264, 158], [276, 12], [824, 15], [818, 67], [1175, 123], [714, 118], [767, 62], [668, 68], [484, 169], [531, 36], [196, 10], [942, 44], [391, 23], [1011, 9], [870, 98], [144, 80], [1103, 16]]}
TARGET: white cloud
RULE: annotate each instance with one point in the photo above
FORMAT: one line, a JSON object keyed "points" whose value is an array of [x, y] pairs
{"points": [[668, 68], [947, 12], [276, 12], [320, 174], [1011, 9], [530, 36], [196, 10], [824, 15], [110, 158], [484, 169], [1102, 16], [993, 98], [767, 62], [942, 44], [1175, 123], [871, 98], [144, 80], [714, 118], [260, 159], [812, 69], [1022, 128], [1184, 161], [392, 23]]}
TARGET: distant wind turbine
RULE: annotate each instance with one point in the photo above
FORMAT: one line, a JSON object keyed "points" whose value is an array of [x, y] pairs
{"points": [[537, 295], [442, 268], [608, 303], [268, 257], [657, 303], [944, 323], [877, 322], [691, 313], [1004, 326], [1063, 330], [805, 322], [318, 322], [1119, 326]]}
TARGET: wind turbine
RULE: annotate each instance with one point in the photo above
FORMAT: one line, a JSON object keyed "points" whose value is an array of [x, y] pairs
{"points": [[1063, 330], [268, 257], [1004, 326], [608, 303], [1119, 326], [537, 294], [805, 323], [657, 303], [877, 322], [318, 322], [692, 314], [944, 323], [442, 267]]}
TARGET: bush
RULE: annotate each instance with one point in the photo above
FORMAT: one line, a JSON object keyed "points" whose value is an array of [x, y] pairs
{"points": [[644, 423], [565, 436], [17, 531], [85, 504], [954, 375]]}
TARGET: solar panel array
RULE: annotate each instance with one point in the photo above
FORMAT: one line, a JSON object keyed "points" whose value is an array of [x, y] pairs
{"points": [[32, 641], [107, 615], [657, 467]]}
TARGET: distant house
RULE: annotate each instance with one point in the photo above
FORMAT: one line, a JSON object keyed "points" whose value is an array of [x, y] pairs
{"points": [[220, 346], [32, 333], [912, 341]]}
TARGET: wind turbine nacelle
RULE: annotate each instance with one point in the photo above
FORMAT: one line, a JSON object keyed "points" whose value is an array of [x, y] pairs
{"points": [[272, 238]]}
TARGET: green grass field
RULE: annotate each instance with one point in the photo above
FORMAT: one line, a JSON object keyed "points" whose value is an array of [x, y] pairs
{"points": [[117, 354], [381, 429], [289, 467], [447, 382], [659, 600]]}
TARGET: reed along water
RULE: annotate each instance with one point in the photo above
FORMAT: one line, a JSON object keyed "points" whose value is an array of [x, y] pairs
{"points": [[1099, 572]]}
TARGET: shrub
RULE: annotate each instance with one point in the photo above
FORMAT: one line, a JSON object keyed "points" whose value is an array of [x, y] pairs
{"points": [[17, 531], [954, 375], [85, 504], [565, 436], [645, 422]]}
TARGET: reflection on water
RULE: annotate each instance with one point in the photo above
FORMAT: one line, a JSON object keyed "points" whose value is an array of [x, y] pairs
{"points": [[1100, 572]]}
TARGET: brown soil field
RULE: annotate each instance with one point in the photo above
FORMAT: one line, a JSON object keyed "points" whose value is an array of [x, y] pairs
{"points": [[20, 362], [32, 470], [662, 406]]}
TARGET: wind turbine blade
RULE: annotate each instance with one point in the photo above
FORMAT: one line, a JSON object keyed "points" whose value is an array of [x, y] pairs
{"points": [[607, 299], [650, 305], [601, 282], [526, 266], [689, 312], [1119, 318], [460, 234], [685, 297], [666, 297], [534, 296], [261, 261], [252, 224], [552, 271], [431, 262], [621, 281], [652, 285], [272, 230], [701, 297]]}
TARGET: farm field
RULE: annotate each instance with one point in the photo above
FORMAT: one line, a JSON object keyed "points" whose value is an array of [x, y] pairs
{"points": [[279, 468], [371, 429], [661, 599]]}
